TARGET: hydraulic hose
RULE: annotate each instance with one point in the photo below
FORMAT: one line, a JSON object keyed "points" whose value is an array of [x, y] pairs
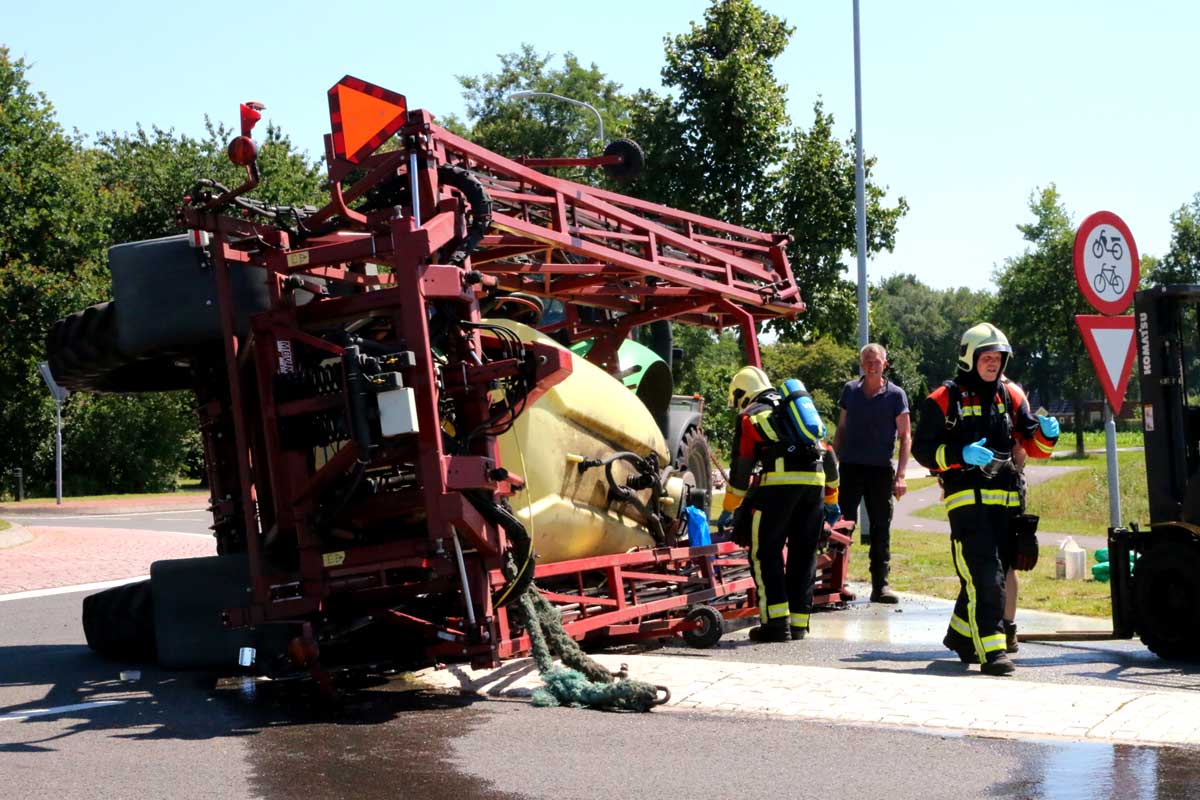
{"points": [[479, 201]]}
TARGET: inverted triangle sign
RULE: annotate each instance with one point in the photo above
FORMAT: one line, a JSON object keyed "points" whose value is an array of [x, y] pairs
{"points": [[362, 116], [1110, 343]]}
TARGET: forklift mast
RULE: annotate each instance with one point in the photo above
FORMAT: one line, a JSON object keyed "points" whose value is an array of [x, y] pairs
{"points": [[1168, 367]]}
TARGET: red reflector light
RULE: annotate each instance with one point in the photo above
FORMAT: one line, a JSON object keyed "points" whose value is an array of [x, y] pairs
{"points": [[242, 151]]}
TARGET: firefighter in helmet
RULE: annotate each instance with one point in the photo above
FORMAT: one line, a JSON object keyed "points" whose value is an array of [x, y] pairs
{"points": [[966, 434], [782, 481]]}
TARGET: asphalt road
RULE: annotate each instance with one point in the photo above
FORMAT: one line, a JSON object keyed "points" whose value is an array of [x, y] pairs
{"points": [[72, 725], [184, 521], [187, 736]]}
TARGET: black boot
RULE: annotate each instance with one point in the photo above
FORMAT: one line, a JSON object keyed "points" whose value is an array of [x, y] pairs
{"points": [[799, 632], [998, 664], [770, 633], [961, 646], [880, 591], [1010, 638]]}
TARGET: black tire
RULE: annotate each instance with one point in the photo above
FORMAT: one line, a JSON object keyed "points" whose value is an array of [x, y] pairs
{"points": [[1166, 597], [694, 457], [710, 627], [633, 160], [83, 355], [119, 622]]}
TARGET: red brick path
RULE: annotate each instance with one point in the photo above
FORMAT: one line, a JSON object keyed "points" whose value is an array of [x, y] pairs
{"points": [[62, 556]]}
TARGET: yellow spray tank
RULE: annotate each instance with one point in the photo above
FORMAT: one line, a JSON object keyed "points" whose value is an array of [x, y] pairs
{"points": [[589, 416]]}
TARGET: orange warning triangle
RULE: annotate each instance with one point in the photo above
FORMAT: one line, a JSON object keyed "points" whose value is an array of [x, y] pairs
{"points": [[365, 117]]}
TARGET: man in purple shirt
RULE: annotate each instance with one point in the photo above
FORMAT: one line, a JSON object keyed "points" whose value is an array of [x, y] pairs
{"points": [[874, 413]]}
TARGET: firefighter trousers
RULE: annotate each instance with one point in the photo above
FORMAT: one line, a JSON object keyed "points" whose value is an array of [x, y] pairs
{"points": [[978, 530], [782, 516]]}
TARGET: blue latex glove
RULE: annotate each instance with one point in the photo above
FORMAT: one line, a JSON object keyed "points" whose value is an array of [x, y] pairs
{"points": [[725, 520], [833, 512], [976, 454], [1049, 426]]}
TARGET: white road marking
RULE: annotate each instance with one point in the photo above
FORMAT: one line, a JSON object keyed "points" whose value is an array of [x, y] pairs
{"points": [[110, 516], [83, 587], [41, 712]]}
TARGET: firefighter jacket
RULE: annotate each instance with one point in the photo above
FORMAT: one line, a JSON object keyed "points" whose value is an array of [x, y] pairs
{"points": [[759, 452], [963, 411]]}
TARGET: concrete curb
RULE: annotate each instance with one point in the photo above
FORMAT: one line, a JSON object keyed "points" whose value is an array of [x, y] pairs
{"points": [[14, 535], [190, 501]]}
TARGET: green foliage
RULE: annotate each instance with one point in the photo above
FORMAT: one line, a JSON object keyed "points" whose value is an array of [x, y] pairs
{"points": [[543, 127], [49, 217], [921, 327], [709, 363], [1181, 264], [824, 366], [126, 444]]}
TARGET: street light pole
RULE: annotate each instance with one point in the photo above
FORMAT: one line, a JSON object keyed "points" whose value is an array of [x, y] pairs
{"points": [[860, 191], [571, 100]]}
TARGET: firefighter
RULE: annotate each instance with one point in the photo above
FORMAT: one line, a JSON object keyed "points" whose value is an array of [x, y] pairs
{"points": [[966, 434], [794, 492]]}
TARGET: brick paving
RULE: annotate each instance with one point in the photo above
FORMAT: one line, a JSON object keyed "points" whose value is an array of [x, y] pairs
{"points": [[63, 556], [970, 703]]}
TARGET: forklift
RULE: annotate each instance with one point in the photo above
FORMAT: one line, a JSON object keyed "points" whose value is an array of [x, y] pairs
{"points": [[1155, 581]]}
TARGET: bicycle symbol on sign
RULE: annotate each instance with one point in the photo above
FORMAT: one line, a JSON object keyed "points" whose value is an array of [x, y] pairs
{"points": [[1107, 276], [1103, 245]]}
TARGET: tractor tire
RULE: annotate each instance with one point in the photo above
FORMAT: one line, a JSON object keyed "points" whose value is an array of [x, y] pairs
{"points": [[1166, 597], [84, 356], [119, 622], [695, 458]]}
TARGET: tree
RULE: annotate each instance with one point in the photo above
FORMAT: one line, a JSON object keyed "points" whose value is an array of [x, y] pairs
{"points": [[728, 121], [1181, 264], [1036, 306], [920, 327], [817, 208]]}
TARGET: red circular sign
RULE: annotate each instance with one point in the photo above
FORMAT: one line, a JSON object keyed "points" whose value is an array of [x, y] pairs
{"points": [[1107, 267]]}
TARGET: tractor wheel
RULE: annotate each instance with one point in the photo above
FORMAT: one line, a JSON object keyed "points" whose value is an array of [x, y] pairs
{"points": [[119, 622], [710, 627], [632, 159], [1166, 596], [695, 458], [83, 355]]}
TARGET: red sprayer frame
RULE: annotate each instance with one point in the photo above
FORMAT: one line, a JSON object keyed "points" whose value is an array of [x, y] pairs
{"points": [[415, 271]]}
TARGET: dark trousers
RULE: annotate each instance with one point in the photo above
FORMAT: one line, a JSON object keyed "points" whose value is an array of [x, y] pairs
{"points": [[874, 485], [779, 516], [978, 532]]}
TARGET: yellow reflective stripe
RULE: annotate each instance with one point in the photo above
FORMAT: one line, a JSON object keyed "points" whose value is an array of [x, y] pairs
{"points": [[794, 479], [1042, 445], [833, 484], [1000, 406], [736, 492], [758, 573], [964, 572], [777, 610], [960, 625], [993, 643], [971, 411], [959, 499], [798, 620], [940, 457], [779, 465], [762, 420], [999, 497]]}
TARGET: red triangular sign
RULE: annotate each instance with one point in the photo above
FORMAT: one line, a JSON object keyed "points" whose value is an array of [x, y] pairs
{"points": [[1110, 343], [363, 115]]}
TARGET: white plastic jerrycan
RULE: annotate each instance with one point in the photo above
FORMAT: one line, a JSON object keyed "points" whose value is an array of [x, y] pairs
{"points": [[1070, 562]]}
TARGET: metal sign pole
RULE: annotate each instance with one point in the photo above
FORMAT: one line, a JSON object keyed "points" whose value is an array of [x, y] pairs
{"points": [[58, 451], [1114, 486]]}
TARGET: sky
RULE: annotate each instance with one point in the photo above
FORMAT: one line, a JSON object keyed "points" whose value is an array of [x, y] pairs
{"points": [[968, 107]]}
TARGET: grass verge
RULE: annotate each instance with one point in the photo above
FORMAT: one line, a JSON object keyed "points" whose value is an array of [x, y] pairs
{"points": [[921, 563], [4, 525], [1077, 502]]}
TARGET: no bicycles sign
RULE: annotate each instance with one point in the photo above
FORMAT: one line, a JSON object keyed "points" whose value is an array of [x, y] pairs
{"points": [[1106, 262]]}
